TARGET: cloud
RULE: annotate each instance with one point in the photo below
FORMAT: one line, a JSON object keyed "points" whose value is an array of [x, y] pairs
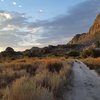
{"points": [[14, 3], [77, 20], [2, 0], [4, 16], [20, 6], [41, 11], [12, 19], [17, 31]]}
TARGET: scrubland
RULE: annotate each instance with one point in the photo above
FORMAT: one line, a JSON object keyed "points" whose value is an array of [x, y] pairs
{"points": [[93, 63], [33, 78]]}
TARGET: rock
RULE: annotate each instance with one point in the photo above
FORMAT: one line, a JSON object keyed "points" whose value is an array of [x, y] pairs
{"points": [[90, 37]]}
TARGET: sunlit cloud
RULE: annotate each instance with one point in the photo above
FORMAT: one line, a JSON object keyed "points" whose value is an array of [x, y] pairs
{"points": [[20, 6], [31, 37], [4, 16], [1, 0], [14, 3], [9, 28], [41, 11], [15, 26]]}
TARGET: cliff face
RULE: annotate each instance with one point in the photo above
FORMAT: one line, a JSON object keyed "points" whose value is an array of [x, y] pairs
{"points": [[95, 27], [90, 37]]}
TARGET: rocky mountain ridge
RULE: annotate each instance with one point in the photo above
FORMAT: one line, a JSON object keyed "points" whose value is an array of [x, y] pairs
{"points": [[90, 37]]}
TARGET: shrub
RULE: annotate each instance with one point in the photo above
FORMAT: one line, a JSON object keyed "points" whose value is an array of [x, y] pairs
{"points": [[31, 68], [38, 79], [9, 52], [87, 53], [73, 53], [26, 89], [97, 44], [91, 53], [93, 63], [96, 53], [43, 79], [55, 67]]}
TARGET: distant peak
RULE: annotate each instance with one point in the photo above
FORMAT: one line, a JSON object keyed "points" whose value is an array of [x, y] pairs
{"points": [[90, 37], [98, 18]]}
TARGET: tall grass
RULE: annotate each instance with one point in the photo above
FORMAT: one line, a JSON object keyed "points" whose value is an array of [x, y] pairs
{"points": [[26, 89], [93, 63], [33, 78]]}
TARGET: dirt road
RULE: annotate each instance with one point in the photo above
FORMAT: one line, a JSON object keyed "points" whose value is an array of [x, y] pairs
{"points": [[85, 84]]}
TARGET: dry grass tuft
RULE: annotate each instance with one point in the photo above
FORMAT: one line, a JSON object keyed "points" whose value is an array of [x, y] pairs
{"points": [[93, 63], [33, 78], [26, 89]]}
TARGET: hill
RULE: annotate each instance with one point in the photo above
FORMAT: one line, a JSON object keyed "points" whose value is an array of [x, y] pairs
{"points": [[78, 43], [90, 37]]}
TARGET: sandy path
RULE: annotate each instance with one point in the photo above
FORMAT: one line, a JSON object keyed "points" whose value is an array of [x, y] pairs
{"points": [[85, 84]]}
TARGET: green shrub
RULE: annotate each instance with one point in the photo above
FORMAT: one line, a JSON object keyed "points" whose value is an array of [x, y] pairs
{"points": [[73, 53], [90, 53], [87, 53]]}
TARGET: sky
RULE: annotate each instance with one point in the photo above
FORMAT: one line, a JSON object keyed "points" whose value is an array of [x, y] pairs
{"points": [[28, 23]]}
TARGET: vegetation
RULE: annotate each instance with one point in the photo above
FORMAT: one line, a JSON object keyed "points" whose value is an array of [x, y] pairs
{"points": [[73, 53], [23, 77], [93, 63], [87, 53], [97, 44], [33, 78], [25, 89], [91, 53]]}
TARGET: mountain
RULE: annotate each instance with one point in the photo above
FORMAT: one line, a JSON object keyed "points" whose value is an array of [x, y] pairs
{"points": [[90, 37]]}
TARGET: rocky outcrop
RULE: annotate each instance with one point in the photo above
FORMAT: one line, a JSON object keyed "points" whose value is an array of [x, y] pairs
{"points": [[10, 53], [90, 37], [95, 27]]}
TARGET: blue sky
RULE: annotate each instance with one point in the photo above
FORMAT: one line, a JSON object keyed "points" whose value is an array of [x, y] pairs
{"points": [[28, 23], [47, 8]]}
